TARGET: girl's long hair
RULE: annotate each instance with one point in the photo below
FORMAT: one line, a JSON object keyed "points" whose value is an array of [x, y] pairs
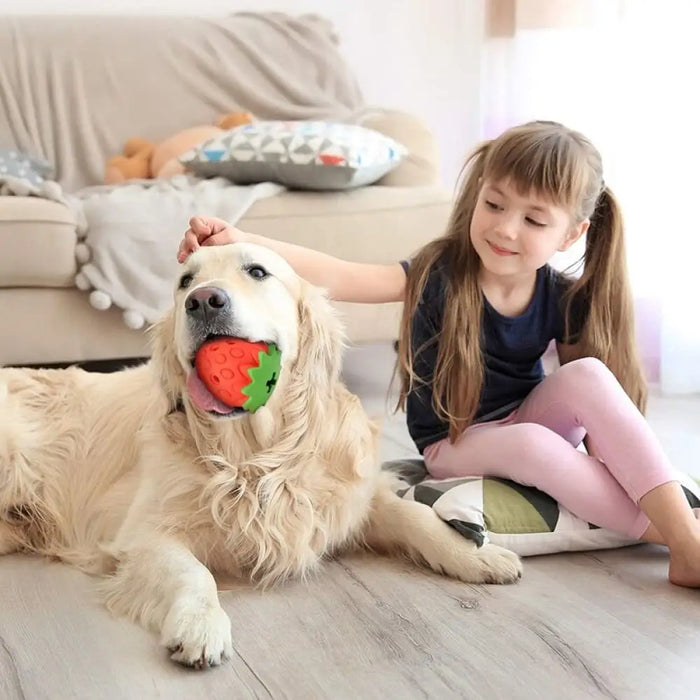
{"points": [[554, 162]]}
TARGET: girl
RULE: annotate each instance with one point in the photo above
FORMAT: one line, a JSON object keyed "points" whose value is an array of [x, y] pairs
{"points": [[481, 307]]}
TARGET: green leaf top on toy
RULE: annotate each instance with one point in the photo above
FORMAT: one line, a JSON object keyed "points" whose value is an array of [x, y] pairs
{"points": [[237, 372], [263, 378]]}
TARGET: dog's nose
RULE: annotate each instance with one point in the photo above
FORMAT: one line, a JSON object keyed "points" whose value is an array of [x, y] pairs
{"points": [[206, 302]]}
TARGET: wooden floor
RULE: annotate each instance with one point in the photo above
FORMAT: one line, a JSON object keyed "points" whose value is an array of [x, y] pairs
{"points": [[594, 625], [580, 625]]}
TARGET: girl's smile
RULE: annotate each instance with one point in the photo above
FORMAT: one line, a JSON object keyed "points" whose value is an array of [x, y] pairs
{"points": [[500, 251]]}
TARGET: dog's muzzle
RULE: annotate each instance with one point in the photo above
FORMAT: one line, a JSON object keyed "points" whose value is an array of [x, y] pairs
{"points": [[207, 304], [209, 312]]}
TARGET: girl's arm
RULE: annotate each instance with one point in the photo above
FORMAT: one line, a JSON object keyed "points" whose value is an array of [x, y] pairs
{"points": [[344, 280]]}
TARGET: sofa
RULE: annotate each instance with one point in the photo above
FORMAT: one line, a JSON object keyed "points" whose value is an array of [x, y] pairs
{"points": [[73, 89]]}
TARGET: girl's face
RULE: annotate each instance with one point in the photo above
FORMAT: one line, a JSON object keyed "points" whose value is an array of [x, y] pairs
{"points": [[515, 235]]}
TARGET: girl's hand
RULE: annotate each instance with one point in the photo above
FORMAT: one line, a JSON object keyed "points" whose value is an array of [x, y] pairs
{"points": [[207, 230]]}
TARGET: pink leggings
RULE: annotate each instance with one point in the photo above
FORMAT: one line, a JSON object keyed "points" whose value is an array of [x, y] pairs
{"points": [[536, 446]]}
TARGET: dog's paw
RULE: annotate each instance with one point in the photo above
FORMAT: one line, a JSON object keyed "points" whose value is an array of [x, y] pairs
{"points": [[197, 635], [499, 565], [471, 564]]}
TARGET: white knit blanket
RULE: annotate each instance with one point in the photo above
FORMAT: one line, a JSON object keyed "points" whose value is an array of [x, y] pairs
{"points": [[132, 232]]}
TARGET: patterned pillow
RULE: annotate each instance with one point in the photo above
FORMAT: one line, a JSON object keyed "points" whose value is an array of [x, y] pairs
{"points": [[19, 165], [315, 155], [520, 518]]}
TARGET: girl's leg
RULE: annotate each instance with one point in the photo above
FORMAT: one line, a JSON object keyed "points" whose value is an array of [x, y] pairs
{"points": [[584, 397], [536, 456]]}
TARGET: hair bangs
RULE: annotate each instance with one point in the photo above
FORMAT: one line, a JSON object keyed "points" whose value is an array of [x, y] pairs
{"points": [[547, 164]]}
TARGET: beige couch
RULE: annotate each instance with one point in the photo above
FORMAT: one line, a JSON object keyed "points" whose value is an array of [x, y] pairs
{"points": [[75, 88]]}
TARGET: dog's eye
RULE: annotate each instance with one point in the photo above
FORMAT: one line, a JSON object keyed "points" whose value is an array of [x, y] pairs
{"points": [[186, 281], [257, 272]]}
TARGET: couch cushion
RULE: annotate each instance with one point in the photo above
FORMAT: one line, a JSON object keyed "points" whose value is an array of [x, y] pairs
{"points": [[59, 325], [37, 239], [369, 224], [309, 155]]}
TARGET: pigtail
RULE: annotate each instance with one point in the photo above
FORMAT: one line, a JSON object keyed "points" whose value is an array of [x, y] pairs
{"points": [[602, 298], [458, 374]]}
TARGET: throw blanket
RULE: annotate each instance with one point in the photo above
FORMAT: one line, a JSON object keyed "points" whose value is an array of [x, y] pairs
{"points": [[133, 231]]}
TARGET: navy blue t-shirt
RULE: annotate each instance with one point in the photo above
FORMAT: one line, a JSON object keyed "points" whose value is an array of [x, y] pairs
{"points": [[512, 348]]}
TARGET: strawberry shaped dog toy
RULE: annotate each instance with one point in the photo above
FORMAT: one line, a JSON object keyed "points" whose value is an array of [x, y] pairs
{"points": [[237, 372]]}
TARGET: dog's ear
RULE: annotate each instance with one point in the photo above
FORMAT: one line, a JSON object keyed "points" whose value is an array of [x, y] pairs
{"points": [[321, 336], [171, 376]]}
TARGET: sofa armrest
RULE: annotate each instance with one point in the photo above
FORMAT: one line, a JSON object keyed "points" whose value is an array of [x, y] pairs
{"points": [[422, 164]]}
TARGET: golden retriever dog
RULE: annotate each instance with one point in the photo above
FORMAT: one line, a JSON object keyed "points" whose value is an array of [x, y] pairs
{"points": [[142, 478]]}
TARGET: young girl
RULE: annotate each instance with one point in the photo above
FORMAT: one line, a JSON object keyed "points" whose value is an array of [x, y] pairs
{"points": [[481, 307]]}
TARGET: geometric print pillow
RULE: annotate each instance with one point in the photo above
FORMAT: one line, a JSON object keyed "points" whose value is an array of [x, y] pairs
{"points": [[521, 518], [316, 155]]}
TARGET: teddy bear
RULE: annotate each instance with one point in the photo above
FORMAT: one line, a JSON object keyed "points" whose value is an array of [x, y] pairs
{"points": [[143, 159]]}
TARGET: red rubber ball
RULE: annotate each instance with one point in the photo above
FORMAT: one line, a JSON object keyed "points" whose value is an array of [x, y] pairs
{"points": [[223, 365]]}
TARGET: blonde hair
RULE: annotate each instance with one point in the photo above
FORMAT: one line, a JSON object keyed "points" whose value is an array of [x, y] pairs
{"points": [[557, 163]]}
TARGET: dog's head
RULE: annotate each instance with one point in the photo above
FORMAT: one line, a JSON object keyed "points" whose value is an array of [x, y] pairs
{"points": [[245, 291]]}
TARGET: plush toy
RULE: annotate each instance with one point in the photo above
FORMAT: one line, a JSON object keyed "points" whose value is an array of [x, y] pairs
{"points": [[239, 373], [143, 159]]}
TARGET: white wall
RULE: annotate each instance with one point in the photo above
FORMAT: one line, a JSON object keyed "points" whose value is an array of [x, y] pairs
{"points": [[415, 55]]}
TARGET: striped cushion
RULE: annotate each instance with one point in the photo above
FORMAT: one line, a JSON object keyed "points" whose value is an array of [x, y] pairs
{"points": [[521, 518]]}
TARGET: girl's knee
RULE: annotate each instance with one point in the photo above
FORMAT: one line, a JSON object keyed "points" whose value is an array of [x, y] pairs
{"points": [[586, 373]]}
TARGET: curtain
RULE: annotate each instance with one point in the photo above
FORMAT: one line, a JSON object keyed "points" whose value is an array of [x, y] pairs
{"points": [[623, 73]]}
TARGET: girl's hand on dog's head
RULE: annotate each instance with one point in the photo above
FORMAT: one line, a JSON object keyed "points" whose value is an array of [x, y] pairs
{"points": [[207, 230]]}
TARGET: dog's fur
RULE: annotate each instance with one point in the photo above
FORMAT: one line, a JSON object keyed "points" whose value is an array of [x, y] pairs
{"points": [[123, 476]]}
